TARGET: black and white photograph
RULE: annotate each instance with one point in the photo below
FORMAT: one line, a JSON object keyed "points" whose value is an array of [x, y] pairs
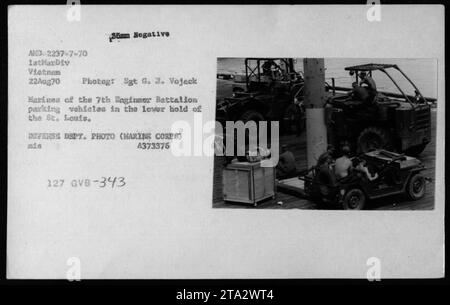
{"points": [[352, 134], [225, 143]]}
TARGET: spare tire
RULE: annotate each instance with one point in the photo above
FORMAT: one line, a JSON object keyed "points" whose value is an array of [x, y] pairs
{"points": [[373, 138]]}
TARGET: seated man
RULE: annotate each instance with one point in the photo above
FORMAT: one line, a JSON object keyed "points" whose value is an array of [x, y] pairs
{"points": [[267, 67], [325, 176], [370, 85], [362, 167], [343, 165], [286, 164], [271, 69], [359, 93], [324, 156]]}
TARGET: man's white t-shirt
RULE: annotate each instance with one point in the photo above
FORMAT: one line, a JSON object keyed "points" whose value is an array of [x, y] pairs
{"points": [[342, 166]]}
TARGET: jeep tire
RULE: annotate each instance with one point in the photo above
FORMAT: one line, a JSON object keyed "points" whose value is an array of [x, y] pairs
{"points": [[354, 199], [416, 187]]}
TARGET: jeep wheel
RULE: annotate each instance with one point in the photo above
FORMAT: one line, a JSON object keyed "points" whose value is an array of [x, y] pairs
{"points": [[373, 138], [416, 187], [355, 199]]}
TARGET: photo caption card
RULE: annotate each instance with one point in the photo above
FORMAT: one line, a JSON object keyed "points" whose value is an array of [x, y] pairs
{"points": [[159, 142]]}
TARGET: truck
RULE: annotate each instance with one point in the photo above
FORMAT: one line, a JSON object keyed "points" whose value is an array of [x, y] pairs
{"points": [[393, 121], [273, 91]]}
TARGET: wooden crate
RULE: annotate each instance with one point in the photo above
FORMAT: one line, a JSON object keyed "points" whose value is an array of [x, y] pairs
{"points": [[248, 182]]}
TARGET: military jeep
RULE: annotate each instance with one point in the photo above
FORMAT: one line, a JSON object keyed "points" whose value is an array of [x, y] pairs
{"points": [[397, 174]]}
